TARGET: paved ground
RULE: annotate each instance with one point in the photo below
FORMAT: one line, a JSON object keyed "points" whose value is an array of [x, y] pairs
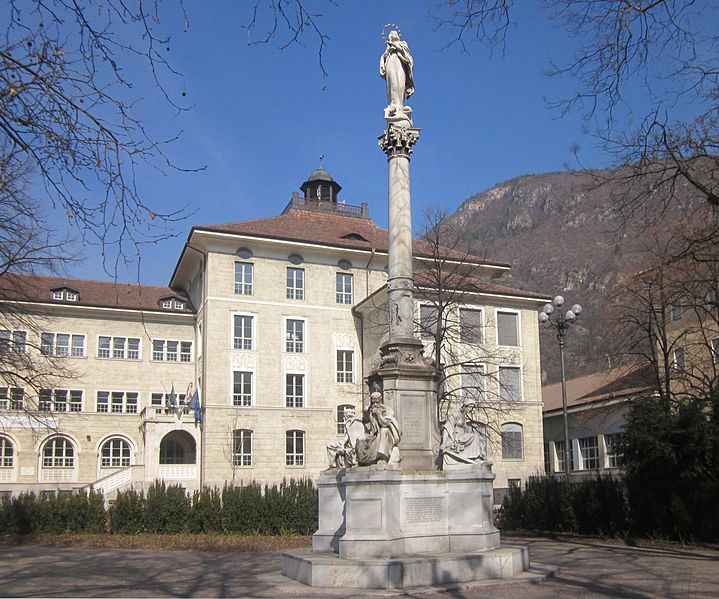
{"points": [[588, 569]]}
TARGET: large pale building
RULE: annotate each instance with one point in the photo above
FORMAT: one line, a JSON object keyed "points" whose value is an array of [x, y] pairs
{"points": [[269, 319]]}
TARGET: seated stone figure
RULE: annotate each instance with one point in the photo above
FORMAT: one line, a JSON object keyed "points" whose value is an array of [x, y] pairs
{"points": [[382, 434], [342, 454], [462, 439]]}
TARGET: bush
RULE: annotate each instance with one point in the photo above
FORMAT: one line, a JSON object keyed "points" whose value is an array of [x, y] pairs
{"points": [[549, 503], [167, 509], [127, 514], [672, 469], [206, 512]]}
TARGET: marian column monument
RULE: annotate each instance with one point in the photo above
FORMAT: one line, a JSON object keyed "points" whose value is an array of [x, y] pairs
{"points": [[402, 504]]}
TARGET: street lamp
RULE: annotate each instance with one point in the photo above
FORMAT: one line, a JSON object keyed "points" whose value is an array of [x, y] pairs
{"points": [[554, 319]]}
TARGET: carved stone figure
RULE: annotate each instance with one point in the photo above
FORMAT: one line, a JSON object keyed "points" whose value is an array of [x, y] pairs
{"points": [[382, 434], [396, 67], [342, 454], [462, 439]]}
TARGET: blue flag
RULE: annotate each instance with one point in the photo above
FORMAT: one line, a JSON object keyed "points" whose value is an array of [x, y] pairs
{"points": [[195, 405]]}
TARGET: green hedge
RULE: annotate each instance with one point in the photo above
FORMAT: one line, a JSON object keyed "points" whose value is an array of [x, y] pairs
{"points": [[288, 508], [595, 506]]}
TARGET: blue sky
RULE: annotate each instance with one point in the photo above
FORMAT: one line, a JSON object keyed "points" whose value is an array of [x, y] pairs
{"points": [[261, 117]]}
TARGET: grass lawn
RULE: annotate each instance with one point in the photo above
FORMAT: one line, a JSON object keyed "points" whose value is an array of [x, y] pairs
{"points": [[194, 542]]}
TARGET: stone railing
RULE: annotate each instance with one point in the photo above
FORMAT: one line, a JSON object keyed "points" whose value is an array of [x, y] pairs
{"points": [[299, 201]]}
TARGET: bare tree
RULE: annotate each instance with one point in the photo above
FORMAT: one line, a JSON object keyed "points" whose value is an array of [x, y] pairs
{"points": [[453, 326], [669, 320]]}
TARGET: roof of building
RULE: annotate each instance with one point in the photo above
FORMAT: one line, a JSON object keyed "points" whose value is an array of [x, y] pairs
{"points": [[321, 174], [474, 285], [609, 384], [331, 229], [102, 294]]}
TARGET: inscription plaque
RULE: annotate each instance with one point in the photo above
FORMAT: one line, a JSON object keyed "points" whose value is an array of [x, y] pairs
{"points": [[420, 510], [415, 433]]}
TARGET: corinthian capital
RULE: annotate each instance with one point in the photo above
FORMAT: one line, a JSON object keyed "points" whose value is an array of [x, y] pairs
{"points": [[398, 141]]}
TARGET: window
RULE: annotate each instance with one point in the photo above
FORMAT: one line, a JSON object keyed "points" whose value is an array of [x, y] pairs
{"points": [[133, 348], [296, 283], [511, 441], [344, 288], [58, 295], [58, 453], [241, 388], [295, 336], [66, 294], [162, 400], [12, 398], [243, 331], [677, 312], [171, 351], [510, 383], [294, 390], [243, 278], [115, 453], [514, 483], [428, 316], [242, 447], [117, 402], [62, 344], [6, 453], [71, 296], [589, 453], [13, 340], [472, 382], [295, 448], [118, 347], [103, 347], [172, 304], [679, 359], [559, 448], [345, 366], [60, 400], [547, 463], [507, 328], [715, 350], [470, 325], [341, 417], [613, 443], [121, 348]]}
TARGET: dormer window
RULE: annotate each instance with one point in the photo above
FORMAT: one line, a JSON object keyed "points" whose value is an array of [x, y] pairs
{"points": [[66, 294], [171, 303], [353, 237]]}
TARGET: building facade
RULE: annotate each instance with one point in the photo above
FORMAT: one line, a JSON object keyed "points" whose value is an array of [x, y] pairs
{"points": [[270, 321]]}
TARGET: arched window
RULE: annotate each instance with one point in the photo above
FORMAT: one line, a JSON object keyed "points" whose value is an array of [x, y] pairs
{"points": [[295, 448], [512, 442], [7, 453], [242, 447], [58, 453], [115, 453]]}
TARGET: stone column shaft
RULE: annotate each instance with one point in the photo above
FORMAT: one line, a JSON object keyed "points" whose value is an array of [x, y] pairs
{"points": [[397, 142]]}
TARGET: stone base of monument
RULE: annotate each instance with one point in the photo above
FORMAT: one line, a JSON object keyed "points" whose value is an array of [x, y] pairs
{"points": [[383, 528]]}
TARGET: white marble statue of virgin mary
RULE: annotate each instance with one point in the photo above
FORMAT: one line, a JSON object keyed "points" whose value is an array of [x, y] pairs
{"points": [[396, 67]]}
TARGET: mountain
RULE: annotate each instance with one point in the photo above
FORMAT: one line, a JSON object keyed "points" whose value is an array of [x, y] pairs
{"points": [[562, 235]]}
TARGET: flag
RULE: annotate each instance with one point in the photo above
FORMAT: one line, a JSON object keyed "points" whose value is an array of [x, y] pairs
{"points": [[195, 405], [172, 399]]}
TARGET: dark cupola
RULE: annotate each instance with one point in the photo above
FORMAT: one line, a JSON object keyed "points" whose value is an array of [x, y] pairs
{"points": [[320, 186]]}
